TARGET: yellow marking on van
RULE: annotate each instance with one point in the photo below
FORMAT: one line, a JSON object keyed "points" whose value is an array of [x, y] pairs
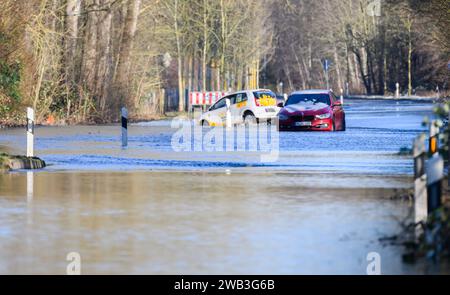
{"points": [[267, 101], [242, 104]]}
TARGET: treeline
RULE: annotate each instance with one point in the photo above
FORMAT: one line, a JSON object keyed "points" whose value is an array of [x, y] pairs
{"points": [[81, 60], [372, 45]]}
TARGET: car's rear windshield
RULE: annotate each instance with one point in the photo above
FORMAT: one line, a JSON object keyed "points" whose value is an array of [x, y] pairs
{"points": [[308, 98], [264, 94]]}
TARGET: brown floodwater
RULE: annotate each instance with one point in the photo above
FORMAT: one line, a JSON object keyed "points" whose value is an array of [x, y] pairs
{"points": [[194, 223], [319, 209]]}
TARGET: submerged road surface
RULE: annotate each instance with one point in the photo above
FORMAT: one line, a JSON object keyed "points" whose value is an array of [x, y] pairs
{"points": [[320, 208]]}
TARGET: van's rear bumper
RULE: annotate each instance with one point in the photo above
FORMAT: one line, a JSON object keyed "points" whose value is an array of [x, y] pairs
{"points": [[267, 112]]}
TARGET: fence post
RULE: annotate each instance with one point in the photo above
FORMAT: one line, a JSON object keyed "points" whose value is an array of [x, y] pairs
{"points": [[420, 189], [30, 132], [124, 120]]}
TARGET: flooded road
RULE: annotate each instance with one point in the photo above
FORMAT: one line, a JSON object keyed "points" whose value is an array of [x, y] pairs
{"points": [[319, 209]]}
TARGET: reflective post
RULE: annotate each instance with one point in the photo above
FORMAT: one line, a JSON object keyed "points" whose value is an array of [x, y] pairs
{"points": [[397, 90], [420, 189], [434, 138], [434, 170], [228, 118], [30, 132], [435, 174], [124, 120]]}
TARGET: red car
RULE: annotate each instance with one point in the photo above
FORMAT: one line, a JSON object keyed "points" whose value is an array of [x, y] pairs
{"points": [[315, 110]]}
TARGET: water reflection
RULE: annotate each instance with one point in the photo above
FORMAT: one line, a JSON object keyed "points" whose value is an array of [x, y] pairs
{"points": [[196, 223], [30, 193]]}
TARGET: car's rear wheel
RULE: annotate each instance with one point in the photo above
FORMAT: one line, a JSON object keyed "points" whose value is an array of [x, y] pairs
{"points": [[333, 127], [205, 123], [249, 119], [344, 125]]}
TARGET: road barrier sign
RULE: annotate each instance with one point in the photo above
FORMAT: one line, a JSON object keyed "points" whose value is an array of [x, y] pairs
{"points": [[205, 98]]}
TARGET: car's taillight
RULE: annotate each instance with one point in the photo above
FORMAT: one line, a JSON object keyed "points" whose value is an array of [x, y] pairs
{"points": [[257, 102]]}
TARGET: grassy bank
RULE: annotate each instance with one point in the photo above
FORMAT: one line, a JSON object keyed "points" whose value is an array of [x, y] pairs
{"points": [[12, 123], [8, 162], [434, 241], [427, 241], [3, 165]]}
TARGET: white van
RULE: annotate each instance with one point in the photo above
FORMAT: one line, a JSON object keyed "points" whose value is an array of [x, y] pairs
{"points": [[247, 106]]}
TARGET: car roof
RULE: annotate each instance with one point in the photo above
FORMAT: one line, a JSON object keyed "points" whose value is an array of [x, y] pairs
{"points": [[312, 91], [249, 90]]}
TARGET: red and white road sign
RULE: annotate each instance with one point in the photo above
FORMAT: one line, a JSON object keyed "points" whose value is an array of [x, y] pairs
{"points": [[205, 98]]}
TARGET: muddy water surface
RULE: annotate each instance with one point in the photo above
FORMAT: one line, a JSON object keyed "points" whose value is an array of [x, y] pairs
{"points": [[319, 209]]}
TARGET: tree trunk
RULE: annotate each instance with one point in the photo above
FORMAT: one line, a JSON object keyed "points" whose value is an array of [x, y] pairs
{"points": [[223, 31], [123, 68], [71, 23], [338, 68], [89, 48], [409, 56], [179, 58], [205, 43], [104, 58]]}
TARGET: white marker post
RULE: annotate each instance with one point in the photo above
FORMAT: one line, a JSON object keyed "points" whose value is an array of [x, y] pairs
{"points": [[434, 170], [124, 120], [228, 118], [435, 174], [342, 96], [30, 132], [420, 188], [397, 90]]}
